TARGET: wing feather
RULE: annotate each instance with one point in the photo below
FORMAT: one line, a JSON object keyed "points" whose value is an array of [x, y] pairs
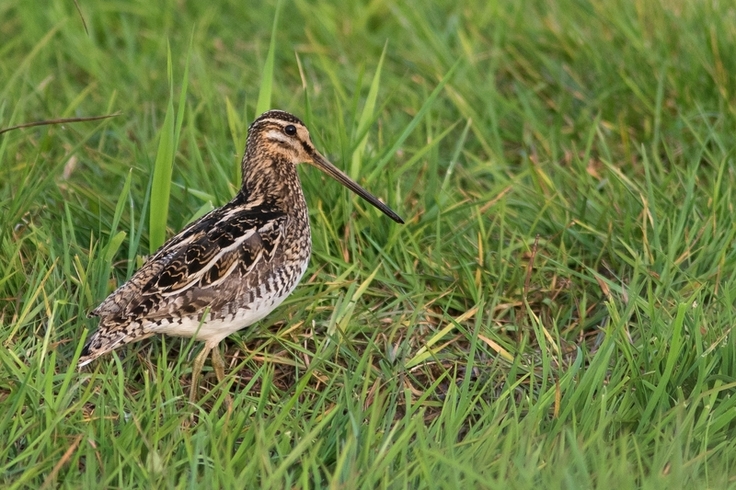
{"points": [[181, 275]]}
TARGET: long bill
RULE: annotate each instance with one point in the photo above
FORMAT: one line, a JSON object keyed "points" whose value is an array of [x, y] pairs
{"points": [[321, 163]]}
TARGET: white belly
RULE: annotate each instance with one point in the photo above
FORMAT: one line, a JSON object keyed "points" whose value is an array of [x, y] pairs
{"points": [[214, 330]]}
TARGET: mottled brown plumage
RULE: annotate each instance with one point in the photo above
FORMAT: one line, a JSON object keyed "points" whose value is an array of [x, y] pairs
{"points": [[233, 266]]}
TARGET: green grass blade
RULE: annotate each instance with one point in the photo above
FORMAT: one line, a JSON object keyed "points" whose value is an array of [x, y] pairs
{"points": [[366, 118], [266, 88], [164, 164], [162, 170], [656, 399]]}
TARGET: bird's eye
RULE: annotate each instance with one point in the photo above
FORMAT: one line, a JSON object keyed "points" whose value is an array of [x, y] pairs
{"points": [[290, 130]]}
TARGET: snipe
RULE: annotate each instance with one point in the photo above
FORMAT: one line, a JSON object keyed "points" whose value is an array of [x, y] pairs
{"points": [[233, 266]]}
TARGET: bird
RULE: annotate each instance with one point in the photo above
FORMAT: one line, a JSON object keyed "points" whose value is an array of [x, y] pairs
{"points": [[233, 266]]}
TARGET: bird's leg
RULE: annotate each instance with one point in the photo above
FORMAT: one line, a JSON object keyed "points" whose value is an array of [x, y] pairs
{"points": [[197, 369], [219, 365]]}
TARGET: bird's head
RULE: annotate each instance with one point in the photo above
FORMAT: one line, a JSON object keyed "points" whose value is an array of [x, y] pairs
{"points": [[279, 138]]}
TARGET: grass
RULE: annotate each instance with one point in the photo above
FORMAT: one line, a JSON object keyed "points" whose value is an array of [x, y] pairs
{"points": [[557, 312]]}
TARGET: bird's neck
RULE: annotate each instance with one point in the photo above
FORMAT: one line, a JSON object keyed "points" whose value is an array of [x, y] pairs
{"points": [[271, 183]]}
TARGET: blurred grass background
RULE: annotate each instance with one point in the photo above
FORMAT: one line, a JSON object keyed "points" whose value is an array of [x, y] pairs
{"points": [[556, 312]]}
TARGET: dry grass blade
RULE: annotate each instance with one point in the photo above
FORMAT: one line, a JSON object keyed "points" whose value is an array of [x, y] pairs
{"points": [[51, 122]]}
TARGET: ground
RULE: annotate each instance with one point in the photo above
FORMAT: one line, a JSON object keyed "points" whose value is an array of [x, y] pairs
{"points": [[556, 312]]}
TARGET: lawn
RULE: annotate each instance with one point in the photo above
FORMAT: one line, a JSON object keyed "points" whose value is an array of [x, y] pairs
{"points": [[557, 311]]}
